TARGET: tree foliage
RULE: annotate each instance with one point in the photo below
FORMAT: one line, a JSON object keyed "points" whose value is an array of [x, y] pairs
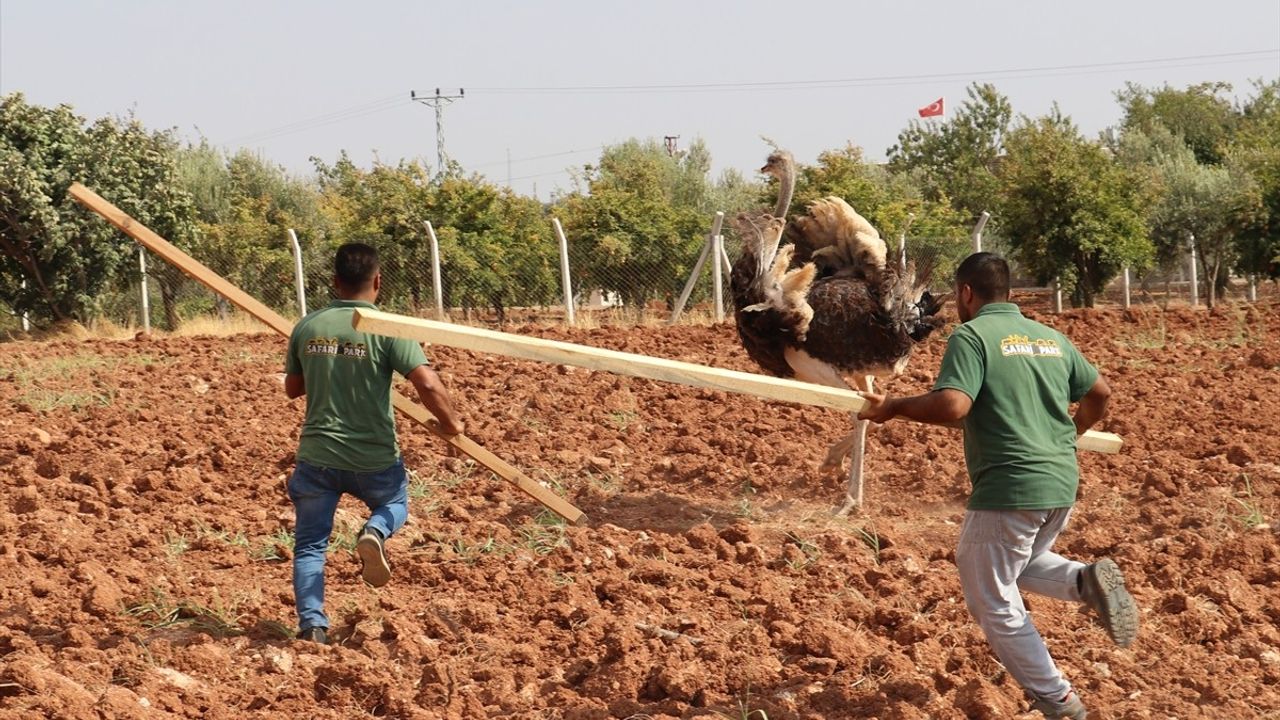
{"points": [[245, 207], [1255, 151], [67, 256], [1071, 212], [640, 216], [1200, 115], [957, 160], [1184, 163], [496, 247]]}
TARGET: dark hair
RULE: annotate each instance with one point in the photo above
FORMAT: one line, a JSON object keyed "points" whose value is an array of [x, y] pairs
{"points": [[988, 275], [355, 265]]}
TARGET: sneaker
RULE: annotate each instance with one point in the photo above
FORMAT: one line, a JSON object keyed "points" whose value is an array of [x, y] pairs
{"points": [[373, 557], [1069, 707], [316, 635], [1102, 587]]}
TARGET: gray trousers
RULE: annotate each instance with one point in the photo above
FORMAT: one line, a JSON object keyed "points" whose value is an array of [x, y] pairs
{"points": [[1001, 553]]}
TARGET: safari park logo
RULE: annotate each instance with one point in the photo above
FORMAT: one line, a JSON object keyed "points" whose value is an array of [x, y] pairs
{"points": [[1025, 346], [335, 347]]}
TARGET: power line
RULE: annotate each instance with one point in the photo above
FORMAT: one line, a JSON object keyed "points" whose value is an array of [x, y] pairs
{"points": [[1081, 68], [535, 157], [538, 175], [355, 111]]}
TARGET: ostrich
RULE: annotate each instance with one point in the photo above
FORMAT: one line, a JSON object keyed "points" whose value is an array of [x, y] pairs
{"points": [[825, 307]]}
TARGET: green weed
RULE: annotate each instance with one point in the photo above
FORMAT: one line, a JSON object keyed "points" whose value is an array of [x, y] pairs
{"points": [[218, 618], [45, 400], [871, 539], [470, 552], [236, 539], [175, 545], [267, 548], [1148, 337], [623, 419], [746, 507], [810, 552], [1252, 516], [544, 534], [744, 711]]}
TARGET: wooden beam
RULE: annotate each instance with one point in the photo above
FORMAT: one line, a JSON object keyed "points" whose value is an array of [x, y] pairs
{"points": [[645, 366], [181, 260], [1103, 442], [271, 318], [621, 363], [500, 467]]}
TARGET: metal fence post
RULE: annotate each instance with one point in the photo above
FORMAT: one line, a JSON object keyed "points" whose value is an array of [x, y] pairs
{"points": [[564, 271], [146, 297], [717, 275], [977, 230], [1195, 284], [299, 281], [707, 249], [436, 287], [1057, 296], [1126, 287], [26, 321]]}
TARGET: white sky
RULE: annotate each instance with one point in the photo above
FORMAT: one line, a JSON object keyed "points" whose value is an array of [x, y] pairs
{"points": [[236, 70]]}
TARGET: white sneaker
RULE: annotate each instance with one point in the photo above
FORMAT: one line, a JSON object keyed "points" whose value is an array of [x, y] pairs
{"points": [[1070, 708]]}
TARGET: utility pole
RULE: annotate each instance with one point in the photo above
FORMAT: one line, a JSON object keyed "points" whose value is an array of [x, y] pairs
{"points": [[438, 102]]}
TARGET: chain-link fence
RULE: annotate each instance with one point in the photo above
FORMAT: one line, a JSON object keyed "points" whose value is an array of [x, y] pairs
{"points": [[526, 284]]}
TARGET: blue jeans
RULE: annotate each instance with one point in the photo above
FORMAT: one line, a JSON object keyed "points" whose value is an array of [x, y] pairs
{"points": [[315, 492]]}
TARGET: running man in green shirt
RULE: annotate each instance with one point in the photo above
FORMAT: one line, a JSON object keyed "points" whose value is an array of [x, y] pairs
{"points": [[1008, 382], [348, 442]]}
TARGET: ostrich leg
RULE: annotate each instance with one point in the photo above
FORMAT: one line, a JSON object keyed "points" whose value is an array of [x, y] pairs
{"points": [[853, 490]]}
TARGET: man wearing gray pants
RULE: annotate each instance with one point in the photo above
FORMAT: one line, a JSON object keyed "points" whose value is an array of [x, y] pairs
{"points": [[1008, 382]]}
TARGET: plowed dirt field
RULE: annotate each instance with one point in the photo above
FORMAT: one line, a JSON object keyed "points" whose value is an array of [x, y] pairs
{"points": [[145, 542]]}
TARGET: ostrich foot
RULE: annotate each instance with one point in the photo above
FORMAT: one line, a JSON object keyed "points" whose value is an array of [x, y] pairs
{"points": [[838, 452], [850, 504]]}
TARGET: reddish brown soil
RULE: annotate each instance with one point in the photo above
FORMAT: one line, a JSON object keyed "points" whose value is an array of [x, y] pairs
{"points": [[144, 546]]}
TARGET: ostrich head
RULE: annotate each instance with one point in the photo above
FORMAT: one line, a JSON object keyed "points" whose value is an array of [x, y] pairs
{"points": [[782, 166]]}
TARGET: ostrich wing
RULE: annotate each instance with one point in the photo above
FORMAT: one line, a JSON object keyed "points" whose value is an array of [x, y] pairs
{"points": [[839, 240]]}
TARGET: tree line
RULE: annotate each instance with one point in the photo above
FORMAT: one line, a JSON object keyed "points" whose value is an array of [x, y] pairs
{"points": [[1184, 168]]}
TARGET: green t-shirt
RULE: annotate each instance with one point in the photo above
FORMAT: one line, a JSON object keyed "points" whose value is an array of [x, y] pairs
{"points": [[349, 425], [1019, 439]]}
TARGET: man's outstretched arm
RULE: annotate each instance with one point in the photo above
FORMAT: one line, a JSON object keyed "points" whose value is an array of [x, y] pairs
{"points": [[432, 392], [939, 407]]}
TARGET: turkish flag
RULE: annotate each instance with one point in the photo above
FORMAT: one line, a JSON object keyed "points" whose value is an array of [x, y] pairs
{"points": [[933, 109]]}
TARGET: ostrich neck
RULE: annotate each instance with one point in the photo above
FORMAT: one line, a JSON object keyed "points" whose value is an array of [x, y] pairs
{"points": [[786, 187]]}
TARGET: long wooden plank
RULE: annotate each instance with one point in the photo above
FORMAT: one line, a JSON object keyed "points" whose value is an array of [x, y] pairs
{"points": [[500, 467], [271, 318], [1103, 442], [645, 366], [181, 260], [621, 363]]}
